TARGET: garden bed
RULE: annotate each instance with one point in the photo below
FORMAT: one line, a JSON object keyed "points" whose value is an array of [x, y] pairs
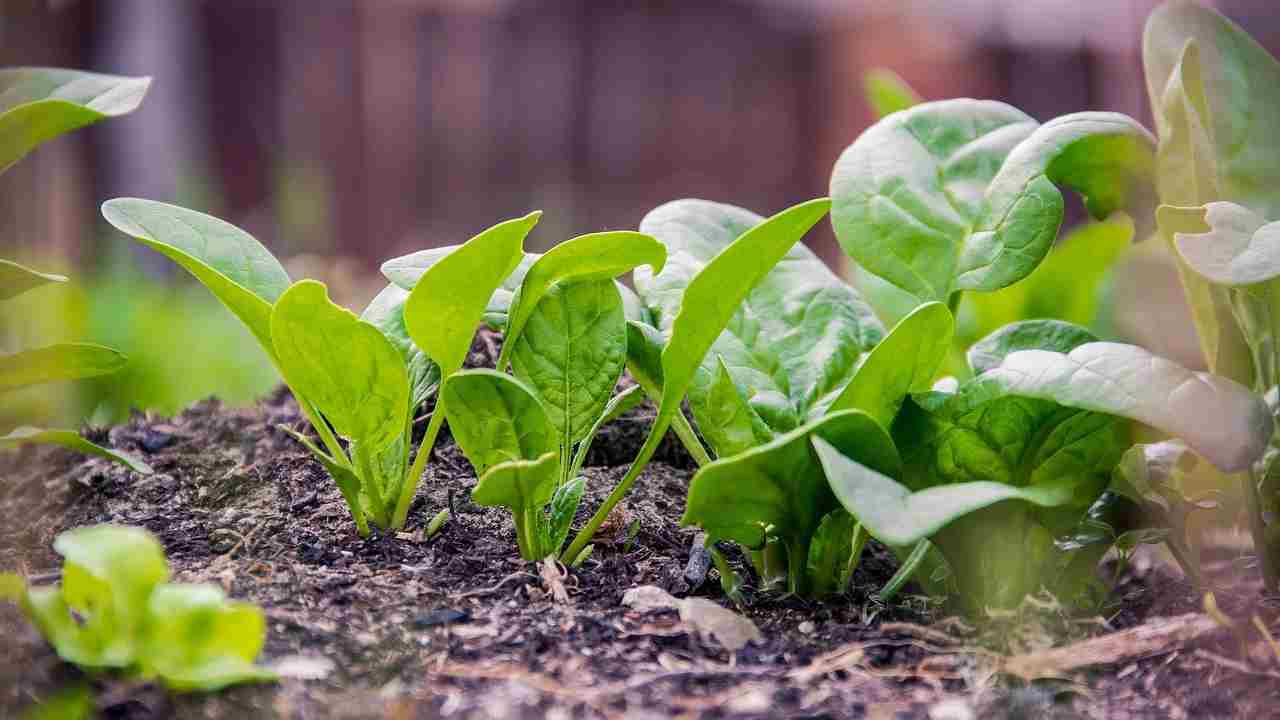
{"points": [[457, 626]]}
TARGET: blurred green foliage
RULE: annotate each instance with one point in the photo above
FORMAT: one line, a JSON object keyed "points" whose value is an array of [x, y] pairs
{"points": [[182, 346]]}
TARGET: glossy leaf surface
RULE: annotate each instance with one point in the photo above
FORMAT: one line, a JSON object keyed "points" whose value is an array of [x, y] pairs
{"points": [[65, 361]]}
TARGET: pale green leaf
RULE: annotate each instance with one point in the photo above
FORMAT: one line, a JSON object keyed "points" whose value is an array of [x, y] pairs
{"points": [[1055, 335], [16, 279], [198, 640], [888, 93], [448, 301], [1238, 246], [39, 104], [386, 312], [519, 485], [71, 440], [236, 268], [345, 367], [404, 272], [65, 361]]}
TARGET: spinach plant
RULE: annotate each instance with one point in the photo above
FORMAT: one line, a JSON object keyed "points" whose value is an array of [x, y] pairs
{"points": [[116, 610], [566, 340], [355, 378], [1003, 473], [37, 105], [1212, 88], [707, 304]]}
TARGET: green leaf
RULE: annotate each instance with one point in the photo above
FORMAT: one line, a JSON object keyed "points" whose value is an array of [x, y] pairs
{"points": [[1205, 78], [571, 352], [708, 303], [830, 552], [343, 366], [524, 487], [109, 572], [236, 268], [1217, 417], [904, 362], [1055, 335], [447, 303], [1240, 86], [888, 93], [496, 418], [564, 505], [961, 194], [727, 421], [65, 361], [598, 256], [404, 272], [16, 279], [644, 355], [39, 104], [1237, 247], [72, 441], [386, 312], [792, 342], [198, 640], [895, 515], [620, 404], [781, 485]]}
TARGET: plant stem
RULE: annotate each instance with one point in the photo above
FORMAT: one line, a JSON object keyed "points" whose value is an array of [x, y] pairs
{"points": [[410, 484], [1258, 529], [322, 429], [522, 541], [646, 452], [953, 302], [372, 484], [797, 567], [689, 439], [908, 568]]}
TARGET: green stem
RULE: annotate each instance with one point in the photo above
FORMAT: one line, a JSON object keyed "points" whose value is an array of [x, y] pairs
{"points": [[908, 569], [797, 567], [1258, 529], [409, 486], [522, 540], [689, 439], [322, 429], [642, 459], [858, 544], [372, 484], [953, 302]]}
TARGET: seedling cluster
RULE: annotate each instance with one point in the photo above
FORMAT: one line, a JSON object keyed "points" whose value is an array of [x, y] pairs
{"points": [[815, 427]]}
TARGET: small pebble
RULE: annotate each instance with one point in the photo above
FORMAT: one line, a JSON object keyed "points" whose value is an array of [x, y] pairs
{"points": [[807, 627]]}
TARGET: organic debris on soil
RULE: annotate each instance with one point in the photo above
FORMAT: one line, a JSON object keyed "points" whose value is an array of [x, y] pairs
{"points": [[458, 626]]}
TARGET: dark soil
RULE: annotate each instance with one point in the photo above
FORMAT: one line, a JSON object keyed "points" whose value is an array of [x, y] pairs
{"points": [[457, 626]]}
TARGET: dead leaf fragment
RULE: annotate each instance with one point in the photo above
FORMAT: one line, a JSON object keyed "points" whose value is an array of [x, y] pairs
{"points": [[732, 630]]}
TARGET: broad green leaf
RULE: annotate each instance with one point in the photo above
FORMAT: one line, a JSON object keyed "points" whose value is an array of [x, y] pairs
{"points": [[962, 194], [386, 312], [39, 104], [496, 418], [1055, 335], [904, 362], [198, 640], [16, 279], [888, 93], [449, 299], [1070, 285], [518, 485], [345, 367], [404, 272], [598, 256], [895, 515], [71, 440], [644, 355], [571, 352], [830, 553], [65, 361], [109, 572], [792, 342], [1217, 417], [781, 484], [236, 268], [1237, 246]]}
